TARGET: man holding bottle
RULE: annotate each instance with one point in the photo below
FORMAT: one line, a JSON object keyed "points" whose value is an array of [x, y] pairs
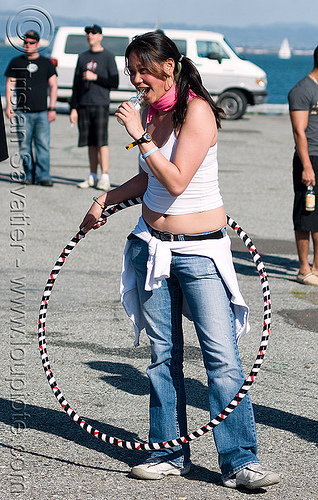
{"points": [[96, 73], [303, 107]]}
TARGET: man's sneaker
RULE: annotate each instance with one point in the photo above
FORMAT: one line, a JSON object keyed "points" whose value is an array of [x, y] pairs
{"points": [[252, 477], [156, 469], [103, 183], [89, 182]]}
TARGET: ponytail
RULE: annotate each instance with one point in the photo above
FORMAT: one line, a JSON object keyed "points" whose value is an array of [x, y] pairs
{"points": [[188, 77]]}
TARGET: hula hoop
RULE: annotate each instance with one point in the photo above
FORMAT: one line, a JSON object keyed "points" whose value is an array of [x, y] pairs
{"points": [[224, 413]]}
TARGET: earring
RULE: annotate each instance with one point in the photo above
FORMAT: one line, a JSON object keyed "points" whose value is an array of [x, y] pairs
{"points": [[169, 83]]}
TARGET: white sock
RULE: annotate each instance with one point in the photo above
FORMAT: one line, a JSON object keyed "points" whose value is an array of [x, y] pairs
{"points": [[105, 176]]}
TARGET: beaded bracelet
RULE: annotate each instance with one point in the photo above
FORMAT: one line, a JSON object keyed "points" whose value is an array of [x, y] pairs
{"points": [[102, 205], [149, 152]]}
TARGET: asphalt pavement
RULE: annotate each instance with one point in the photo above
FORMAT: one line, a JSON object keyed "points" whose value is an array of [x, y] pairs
{"points": [[43, 454]]}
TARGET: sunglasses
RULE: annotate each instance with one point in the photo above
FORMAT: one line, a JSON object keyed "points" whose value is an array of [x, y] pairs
{"points": [[94, 32], [29, 43]]}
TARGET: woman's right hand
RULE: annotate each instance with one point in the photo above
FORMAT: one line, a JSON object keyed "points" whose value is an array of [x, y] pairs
{"points": [[131, 119], [91, 218]]}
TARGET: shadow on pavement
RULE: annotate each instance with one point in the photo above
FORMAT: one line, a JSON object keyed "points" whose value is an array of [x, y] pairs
{"points": [[68, 181], [121, 375], [57, 423]]}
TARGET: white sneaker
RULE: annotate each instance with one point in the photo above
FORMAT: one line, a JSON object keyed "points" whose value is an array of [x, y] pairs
{"points": [[156, 469], [89, 182], [253, 476], [103, 183]]}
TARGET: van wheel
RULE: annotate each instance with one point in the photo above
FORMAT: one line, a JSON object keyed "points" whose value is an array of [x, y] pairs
{"points": [[233, 103]]}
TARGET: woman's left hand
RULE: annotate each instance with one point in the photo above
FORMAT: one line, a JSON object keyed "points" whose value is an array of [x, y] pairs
{"points": [[91, 218]]}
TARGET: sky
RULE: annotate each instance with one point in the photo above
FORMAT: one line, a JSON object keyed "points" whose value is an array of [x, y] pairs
{"points": [[238, 13]]}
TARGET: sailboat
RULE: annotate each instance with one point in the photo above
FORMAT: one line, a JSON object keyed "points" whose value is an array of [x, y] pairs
{"points": [[284, 51]]}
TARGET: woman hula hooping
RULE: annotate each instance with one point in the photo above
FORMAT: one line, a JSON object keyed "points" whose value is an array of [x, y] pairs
{"points": [[178, 259]]}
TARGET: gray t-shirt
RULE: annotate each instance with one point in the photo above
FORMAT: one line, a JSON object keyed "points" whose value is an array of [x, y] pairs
{"points": [[94, 93], [304, 97]]}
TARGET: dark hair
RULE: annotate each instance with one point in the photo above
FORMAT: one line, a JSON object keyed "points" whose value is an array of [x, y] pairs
{"points": [[155, 48], [316, 57], [33, 35]]}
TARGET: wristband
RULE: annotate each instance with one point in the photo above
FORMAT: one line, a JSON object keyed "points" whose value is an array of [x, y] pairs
{"points": [[102, 205], [153, 150], [51, 109]]}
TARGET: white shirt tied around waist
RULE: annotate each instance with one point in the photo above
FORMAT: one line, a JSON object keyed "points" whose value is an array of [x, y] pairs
{"points": [[158, 268]]}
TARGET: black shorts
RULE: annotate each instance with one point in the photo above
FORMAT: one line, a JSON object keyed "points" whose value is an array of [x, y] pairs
{"points": [[93, 126], [303, 220]]}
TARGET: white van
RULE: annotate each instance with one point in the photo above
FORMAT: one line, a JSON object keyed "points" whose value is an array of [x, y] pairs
{"points": [[232, 81]]}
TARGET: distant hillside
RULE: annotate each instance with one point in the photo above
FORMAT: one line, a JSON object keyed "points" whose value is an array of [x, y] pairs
{"points": [[300, 36]]}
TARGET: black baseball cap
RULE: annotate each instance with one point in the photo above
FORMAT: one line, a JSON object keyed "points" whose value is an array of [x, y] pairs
{"points": [[94, 28], [33, 35]]}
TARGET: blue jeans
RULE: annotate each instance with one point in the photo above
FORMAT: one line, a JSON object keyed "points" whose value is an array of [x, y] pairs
{"points": [[34, 145], [199, 281]]}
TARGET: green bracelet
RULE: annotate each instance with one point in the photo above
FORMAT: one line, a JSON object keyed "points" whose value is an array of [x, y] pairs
{"points": [[102, 205]]}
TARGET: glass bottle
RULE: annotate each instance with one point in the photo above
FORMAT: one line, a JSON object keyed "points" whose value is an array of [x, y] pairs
{"points": [[310, 198], [137, 101]]}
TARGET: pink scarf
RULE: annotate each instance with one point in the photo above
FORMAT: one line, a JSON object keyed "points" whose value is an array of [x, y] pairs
{"points": [[166, 102]]}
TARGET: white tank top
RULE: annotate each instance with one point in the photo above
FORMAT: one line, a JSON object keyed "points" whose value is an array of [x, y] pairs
{"points": [[201, 194]]}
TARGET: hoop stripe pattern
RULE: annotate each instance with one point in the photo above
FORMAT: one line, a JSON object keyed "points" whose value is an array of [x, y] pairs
{"points": [[223, 414]]}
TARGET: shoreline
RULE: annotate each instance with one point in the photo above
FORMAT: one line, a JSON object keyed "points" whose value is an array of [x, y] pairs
{"points": [[259, 109]]}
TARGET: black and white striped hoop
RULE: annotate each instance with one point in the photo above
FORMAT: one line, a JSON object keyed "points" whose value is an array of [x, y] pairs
{"points": [[223, 414]]}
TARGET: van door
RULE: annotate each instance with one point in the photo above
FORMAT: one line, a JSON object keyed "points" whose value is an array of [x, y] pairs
{"points": [[215, 65]]}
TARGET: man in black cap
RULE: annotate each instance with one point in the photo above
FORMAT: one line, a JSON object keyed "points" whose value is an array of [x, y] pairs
{"points": [[30, 75], [95, 74]]}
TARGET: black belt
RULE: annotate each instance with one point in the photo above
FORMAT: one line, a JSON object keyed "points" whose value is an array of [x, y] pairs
{"points": [[165, 236]]}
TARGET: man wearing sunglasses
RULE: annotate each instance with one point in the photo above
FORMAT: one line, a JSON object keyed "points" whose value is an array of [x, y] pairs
{"points": [[95, 74], [30, 78]]}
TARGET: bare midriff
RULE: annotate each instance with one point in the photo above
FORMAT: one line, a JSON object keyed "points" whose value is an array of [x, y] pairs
{"points": [[199, 222]]}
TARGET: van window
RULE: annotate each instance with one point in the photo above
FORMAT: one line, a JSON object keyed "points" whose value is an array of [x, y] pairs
{"points": [[116, 44], [182, 46], [206, 47], [75, 44]]}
